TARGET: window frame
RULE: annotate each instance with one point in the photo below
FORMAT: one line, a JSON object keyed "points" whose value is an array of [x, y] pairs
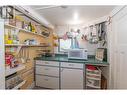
{"points": [[59, 44]]}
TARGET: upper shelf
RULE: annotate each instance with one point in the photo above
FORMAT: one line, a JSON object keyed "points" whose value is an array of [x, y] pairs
{"points": [[23, 30], [15, 45], [9, 71]]}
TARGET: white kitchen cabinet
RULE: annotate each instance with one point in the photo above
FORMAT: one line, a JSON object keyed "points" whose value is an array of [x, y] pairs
{"points": [[47, 74], [119, 50], [71, 78]]}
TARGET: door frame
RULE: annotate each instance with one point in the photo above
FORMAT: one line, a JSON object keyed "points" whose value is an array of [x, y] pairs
{"points": [[2, 56], [110, 45]]}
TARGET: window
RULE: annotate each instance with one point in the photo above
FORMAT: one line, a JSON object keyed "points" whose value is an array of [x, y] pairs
{"points": [[64, 45]]}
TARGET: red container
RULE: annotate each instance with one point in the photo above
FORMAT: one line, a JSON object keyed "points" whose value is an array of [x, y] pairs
{"points": [[8, 58], [91, 67]]}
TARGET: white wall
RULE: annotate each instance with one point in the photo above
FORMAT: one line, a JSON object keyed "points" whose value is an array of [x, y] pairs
{"points": [[62, 29], [2, 60]]}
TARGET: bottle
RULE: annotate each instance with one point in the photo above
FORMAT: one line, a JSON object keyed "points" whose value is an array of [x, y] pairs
{"points": [[33, 28], [9, 38], [6, 36], [30, 26], [15, 37]]}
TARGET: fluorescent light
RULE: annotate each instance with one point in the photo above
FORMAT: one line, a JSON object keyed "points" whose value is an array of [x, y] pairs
{"points": [[76, 16], [75, 22], [75, 19]]}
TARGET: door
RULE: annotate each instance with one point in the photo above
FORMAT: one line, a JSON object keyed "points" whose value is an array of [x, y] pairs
{"points": [[119, 50], [71, 78]]}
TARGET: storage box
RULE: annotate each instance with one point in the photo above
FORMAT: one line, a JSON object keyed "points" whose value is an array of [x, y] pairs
{"points": [[101, 54], [38, 29], [19, 21], [93, 78]]}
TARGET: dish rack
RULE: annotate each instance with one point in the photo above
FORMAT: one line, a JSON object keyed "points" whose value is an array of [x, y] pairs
{"points": [[93, 78]]}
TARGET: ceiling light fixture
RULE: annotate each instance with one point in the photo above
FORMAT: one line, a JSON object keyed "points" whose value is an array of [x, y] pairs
{"points": [[76, 16]]}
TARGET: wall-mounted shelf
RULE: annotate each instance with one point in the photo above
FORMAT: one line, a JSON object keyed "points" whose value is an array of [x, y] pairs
{"points": [[9, 71], [22, 30], [13, 45], [20, 84], [16, 45], [97, 87]]}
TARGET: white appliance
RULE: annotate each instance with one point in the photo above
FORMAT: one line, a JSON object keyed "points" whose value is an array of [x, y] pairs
{"points": [[77, 54]]}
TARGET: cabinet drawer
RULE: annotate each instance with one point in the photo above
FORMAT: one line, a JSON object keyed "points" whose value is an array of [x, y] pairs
{"points": [[47, 82], [71, 65], [45, 70], [48, 63]]}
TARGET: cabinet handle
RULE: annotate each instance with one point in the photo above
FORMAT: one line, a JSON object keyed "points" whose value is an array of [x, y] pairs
{"points": [[46, 62], [46, 79], [71, 64], [122, 52], [46, 69]]}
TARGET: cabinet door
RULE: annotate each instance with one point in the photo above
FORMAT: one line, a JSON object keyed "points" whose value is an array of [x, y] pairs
{"points": [[119, 48], [71, 78], [47, 82]]}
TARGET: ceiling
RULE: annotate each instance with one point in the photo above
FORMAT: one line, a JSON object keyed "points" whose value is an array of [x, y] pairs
{"points": [[62, 15]]}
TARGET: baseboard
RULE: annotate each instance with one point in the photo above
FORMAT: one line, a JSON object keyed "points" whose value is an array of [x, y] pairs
{"points": [[31, 86]]}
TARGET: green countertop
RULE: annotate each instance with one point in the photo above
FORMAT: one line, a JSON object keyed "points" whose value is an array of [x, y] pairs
{"points": [[64, 58]]}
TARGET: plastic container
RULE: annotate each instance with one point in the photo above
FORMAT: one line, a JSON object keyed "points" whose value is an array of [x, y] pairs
{"points": [[93, 77]]}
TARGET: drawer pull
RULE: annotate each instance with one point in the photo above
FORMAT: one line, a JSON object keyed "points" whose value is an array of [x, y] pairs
{"points": [[46, 69], [46, 79], [71, 64], [122, 52], [46, 62]]}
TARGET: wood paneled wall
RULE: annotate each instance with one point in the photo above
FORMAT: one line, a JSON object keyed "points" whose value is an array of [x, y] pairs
{"points": [[27, 74]]}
